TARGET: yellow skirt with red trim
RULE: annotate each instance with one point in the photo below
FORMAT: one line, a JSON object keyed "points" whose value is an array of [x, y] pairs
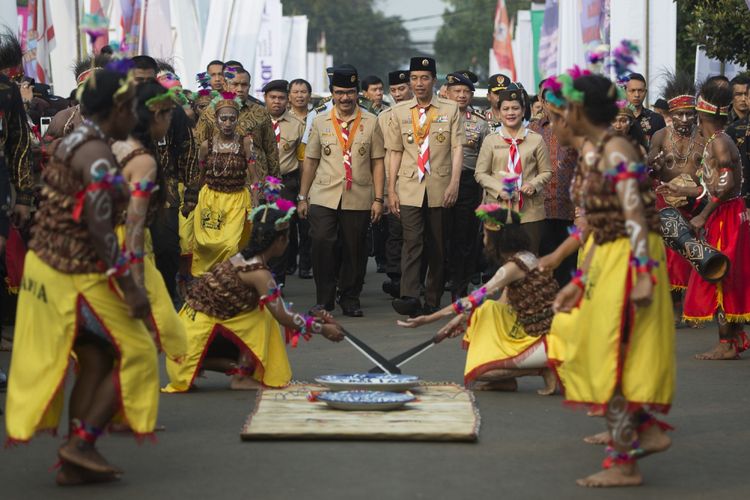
{"points": [[256, 333], [51, 308], [727, 229], [496, 340], [220, 225], [169, 332], [606, 342]]}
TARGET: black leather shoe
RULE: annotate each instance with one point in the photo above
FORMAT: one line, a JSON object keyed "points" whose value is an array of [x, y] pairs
{"points": [[352, 311], [407, 306], [392, 288], [305, 274], [291, 270], [381, 268]]}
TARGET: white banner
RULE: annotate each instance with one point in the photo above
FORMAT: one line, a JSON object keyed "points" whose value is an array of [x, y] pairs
{"points": [[158, 39], [317, 62], [294, 47], [232, 31], [187, 30], [706, 66], [268, 62]]}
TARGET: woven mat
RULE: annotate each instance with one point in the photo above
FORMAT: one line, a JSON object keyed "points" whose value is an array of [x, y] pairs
{"points": [[442, 412]]}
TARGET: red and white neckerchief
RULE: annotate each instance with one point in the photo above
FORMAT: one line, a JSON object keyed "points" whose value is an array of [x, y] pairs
{"points": [[514, 160], [346, 132], [422, 134], [276, 130]]}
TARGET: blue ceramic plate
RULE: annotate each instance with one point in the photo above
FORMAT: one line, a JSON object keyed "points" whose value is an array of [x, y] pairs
{"points": [[368, 381], [365, 400]]}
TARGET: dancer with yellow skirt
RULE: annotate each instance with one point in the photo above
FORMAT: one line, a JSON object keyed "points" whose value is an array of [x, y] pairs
{"points": [[234, 312], [504, 340], [79, 295], [141, 171], [615, 348], [221, 227]]}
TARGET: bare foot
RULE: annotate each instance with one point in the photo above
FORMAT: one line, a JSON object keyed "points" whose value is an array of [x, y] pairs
{"points": [[617, 475], [72, 475], [654, 440], [600, 438], [79, 452], [723, 351], [596, 413], [242, 383], [550, 383], [507, 385]]}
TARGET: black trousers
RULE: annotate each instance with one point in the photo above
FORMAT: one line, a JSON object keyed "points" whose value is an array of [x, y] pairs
{"points": [[166, 239], [424, 234], [393, 244], [339, 253], [555, 232], [463, 233], [299, 232]]}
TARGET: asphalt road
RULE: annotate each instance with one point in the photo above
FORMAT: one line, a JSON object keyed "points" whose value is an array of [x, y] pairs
{"points": [[529, 446]]}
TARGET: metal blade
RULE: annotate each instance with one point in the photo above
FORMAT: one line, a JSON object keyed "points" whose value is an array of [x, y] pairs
{"points": [[408, 355], [371, 354]]}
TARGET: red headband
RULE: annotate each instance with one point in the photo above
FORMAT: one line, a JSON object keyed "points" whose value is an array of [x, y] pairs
{"points": [[707, 107], [681, 102]]}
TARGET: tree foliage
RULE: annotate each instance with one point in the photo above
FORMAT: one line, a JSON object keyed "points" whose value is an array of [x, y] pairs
{"points": [[356, 33], [722, 26], [465, 38]]}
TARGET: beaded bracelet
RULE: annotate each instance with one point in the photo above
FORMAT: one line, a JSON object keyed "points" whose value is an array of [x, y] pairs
{"points": [[643, 265], [575, 233], [579, 279], [120, 268]]}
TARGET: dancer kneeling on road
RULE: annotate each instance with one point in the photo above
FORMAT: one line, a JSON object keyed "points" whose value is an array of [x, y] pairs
{"points": [[505, 339], [233, 312]]}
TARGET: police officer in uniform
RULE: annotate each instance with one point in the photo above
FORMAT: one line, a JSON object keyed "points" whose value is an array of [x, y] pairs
{"points": [[425, 140], [341, 192], [495, 84], [463, 242], [398, 87], [288, 130]]}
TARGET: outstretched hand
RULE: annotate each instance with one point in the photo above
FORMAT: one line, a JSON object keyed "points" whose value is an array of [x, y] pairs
{"points": [[413, 322]]}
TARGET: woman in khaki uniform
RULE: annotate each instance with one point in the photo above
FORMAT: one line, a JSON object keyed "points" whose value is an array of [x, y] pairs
{"points": [[515, 152]]}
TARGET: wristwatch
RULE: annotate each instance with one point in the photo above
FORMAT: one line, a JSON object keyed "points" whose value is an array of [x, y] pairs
{"points": [[301, 197]]}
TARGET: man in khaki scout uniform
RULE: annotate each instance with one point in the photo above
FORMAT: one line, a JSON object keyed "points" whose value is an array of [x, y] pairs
{"points": [[288, 130], [463, 242], [425, 140], [341, 192], [398, 87]]}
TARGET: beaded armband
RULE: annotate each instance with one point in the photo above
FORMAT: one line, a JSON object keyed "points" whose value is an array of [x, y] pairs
{"points": [[575, 233], [102, 181], [120, 268], [644, 265], [143, 188], [88, 433], [579, 279], [624, 171], [273, 294], [466, 305]]}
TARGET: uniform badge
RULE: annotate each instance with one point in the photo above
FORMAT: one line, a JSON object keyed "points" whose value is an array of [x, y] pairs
{"points": [[410, 139], [287, 146], [362, 151], [425, 62], [345, 125], [327, 150], [440, 138]]}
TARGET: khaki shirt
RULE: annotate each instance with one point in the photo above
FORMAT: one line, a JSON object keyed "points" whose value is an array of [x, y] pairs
{"points": [[446, 133], [254, 120], [291, 150], [476, 130], [492, 168], [329, 187]]}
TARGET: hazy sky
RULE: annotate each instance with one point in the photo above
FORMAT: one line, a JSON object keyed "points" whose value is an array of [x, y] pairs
{"points": [[423, 30]]}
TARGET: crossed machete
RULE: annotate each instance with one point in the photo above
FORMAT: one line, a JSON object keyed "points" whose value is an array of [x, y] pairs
{"points": [[384, 365]]}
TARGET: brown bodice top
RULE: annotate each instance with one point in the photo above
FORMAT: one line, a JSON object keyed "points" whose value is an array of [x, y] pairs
{"points": [[221, 293], [226, 172], [56, 236]]}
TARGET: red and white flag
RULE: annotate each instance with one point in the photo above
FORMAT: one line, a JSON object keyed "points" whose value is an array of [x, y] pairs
{"points": [[501, 44], [40, 40]]}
